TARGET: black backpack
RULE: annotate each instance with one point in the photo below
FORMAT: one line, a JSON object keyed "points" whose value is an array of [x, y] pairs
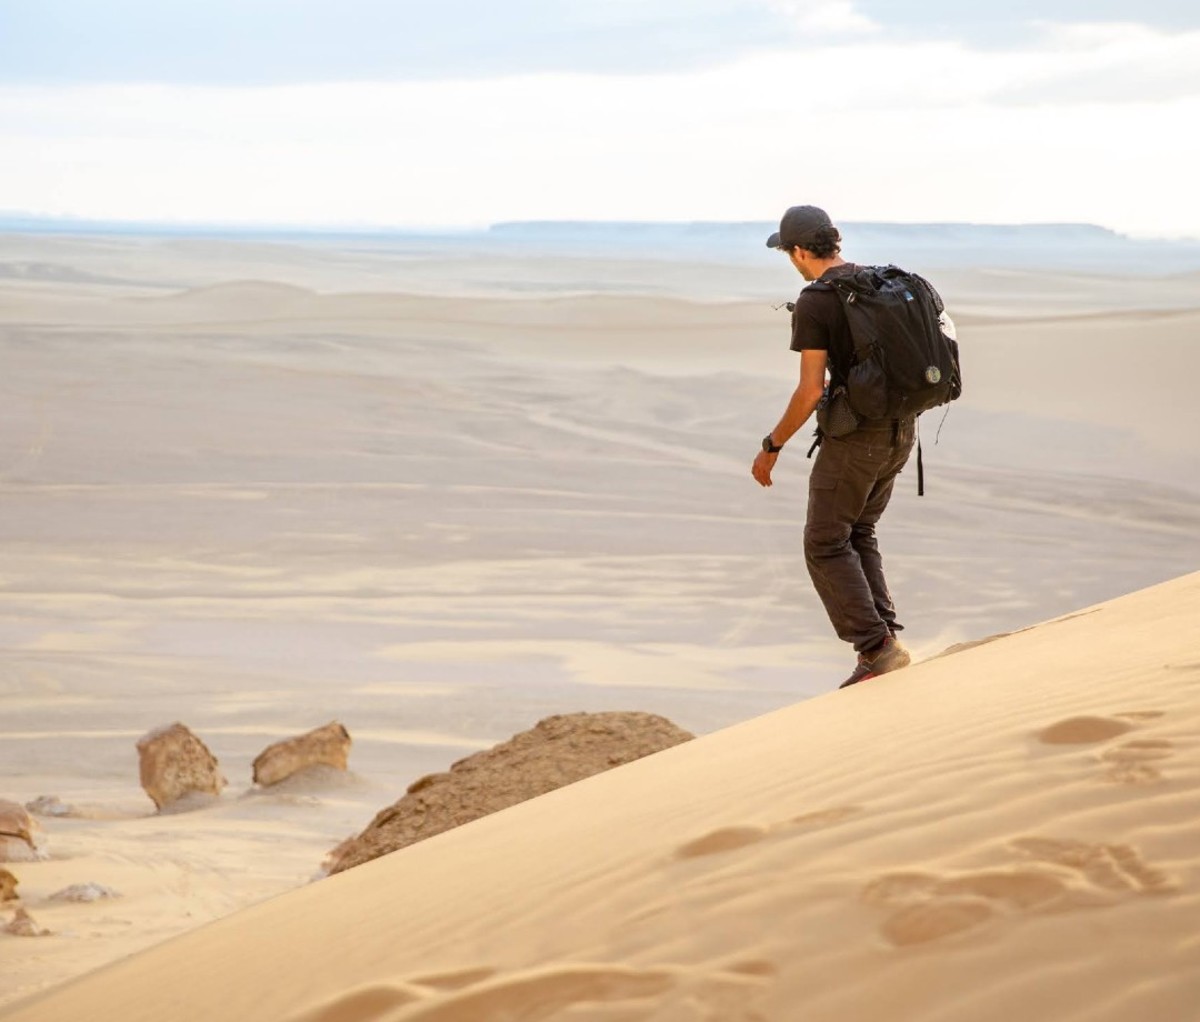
{"points": [[903, 363]]}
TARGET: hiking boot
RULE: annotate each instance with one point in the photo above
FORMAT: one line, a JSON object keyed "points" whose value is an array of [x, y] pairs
{"points": [[891, 656]]}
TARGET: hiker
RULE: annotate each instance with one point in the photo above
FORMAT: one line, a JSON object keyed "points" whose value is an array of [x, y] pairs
{"points": [[859, 456]]}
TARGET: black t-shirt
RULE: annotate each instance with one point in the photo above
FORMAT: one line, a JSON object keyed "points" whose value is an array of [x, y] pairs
{"points": [[819, 324]]}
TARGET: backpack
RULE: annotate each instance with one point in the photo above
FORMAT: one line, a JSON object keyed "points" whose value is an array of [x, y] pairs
{"points": [[903, 363]]}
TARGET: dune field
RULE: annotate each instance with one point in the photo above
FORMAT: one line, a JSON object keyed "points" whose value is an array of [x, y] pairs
{"points": [[256, 486]]}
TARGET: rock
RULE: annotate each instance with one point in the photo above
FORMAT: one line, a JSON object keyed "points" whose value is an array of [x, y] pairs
{"points": [[8, 886], [50, 805], [84, 893], [175, 763], [324, 746], [21, 838], [558, 751], [22, 924]]}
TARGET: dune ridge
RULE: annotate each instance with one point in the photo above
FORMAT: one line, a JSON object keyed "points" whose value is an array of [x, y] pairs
{"points": [[1007, 831]]}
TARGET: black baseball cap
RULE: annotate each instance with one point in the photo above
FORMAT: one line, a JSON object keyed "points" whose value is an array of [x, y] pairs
{"points": [[798, 226]]}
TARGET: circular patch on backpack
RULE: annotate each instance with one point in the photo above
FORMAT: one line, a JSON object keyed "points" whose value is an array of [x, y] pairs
{"points": [[933, 374]]}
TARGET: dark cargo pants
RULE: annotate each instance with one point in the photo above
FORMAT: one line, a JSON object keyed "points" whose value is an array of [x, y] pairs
{"points": [[850, 485]]}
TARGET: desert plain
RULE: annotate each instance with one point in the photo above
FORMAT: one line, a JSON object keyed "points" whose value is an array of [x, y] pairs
{"points": [[438, 494]]}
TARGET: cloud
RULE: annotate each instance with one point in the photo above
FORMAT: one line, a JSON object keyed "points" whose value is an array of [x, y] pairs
{"points": [[830, 18], [1016, 23], [1084, 124], [733, 142], [1111, 62], [269, 42], [296, 41]]}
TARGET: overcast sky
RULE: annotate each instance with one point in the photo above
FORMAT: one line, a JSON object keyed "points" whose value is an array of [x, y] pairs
{"points": [[464, 112]]}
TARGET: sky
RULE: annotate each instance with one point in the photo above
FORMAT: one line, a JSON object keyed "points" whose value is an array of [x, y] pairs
{"points": [[411, 113]]}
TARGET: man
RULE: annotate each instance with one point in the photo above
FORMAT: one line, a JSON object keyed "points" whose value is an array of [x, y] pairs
{"points": [[851, 480]]}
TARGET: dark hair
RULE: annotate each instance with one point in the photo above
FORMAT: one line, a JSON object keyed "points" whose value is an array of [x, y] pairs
{"points": [[824, 242]]}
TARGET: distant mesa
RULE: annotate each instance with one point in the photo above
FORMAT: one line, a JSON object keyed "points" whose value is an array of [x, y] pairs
{"points": [[557, 751], [174, 763], [327, 746], [21, 837]]}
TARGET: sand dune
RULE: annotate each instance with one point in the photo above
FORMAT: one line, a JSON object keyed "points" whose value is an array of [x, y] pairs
{"points": [[1008, 831]]}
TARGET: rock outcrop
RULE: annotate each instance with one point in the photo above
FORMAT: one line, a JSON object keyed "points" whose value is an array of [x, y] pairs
{"points": [[174, 763], [557, 752], [324, 746], [8, 886], [20, 835]]}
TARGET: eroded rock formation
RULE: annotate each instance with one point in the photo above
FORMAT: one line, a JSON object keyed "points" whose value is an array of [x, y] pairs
{"points": [[324, 746], [558, 751], [174, 762], [21, 837]]}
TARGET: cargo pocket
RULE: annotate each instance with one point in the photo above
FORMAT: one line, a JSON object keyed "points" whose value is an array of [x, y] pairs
{"points": [[825, 476]]}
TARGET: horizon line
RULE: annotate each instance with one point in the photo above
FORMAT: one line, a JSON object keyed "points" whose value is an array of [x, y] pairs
{"points": [[12, 218]]}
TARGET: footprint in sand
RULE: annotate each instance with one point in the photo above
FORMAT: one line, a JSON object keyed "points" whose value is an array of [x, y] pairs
{"points": [[726, 839], [1083, 730], [1130, 762], [1065, 876], [541, 994], [1133, 762], [546, 993], [1116, 868], [366, 1004]]}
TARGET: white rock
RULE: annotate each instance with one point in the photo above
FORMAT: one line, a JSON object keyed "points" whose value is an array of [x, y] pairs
{"points": [[50, 805], [84, 892]]}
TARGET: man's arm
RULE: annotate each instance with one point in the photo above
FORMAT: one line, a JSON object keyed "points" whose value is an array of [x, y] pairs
{"points": [[802, 404]]}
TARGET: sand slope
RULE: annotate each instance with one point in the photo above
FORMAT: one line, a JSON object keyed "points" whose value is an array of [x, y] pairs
{"points": [[1008, 831]]}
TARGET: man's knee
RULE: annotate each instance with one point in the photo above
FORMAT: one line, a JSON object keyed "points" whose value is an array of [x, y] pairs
{"points": [[825, 539], [862, 531]]}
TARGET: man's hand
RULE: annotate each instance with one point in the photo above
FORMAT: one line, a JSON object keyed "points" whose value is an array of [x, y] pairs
{"points": [[763, 464]]}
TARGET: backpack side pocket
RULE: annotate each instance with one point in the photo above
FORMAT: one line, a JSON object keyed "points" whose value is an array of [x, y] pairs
{"points": [[835, 417]]}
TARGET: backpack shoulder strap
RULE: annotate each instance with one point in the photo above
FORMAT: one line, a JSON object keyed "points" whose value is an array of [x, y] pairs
{"points": [[931, 291]]}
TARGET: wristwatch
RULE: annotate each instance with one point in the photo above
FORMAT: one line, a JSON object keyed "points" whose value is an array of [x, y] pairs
{"points": [[770, 446]]}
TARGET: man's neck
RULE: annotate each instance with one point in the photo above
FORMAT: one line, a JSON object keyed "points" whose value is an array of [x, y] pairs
{"points": [[811, 269], [820, 266]]}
